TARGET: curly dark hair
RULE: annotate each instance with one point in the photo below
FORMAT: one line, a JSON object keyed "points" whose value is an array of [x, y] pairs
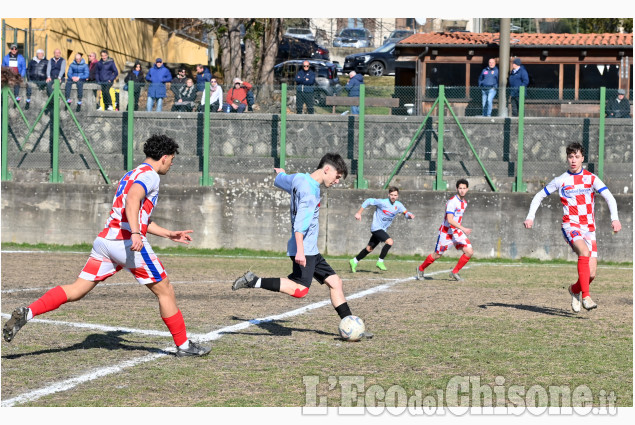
{"points": [[158, 145], [9, 77], [462, 181]]}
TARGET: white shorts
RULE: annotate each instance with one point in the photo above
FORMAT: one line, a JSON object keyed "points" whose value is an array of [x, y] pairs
{"points": [[457, 238], [572, 234], [108, 256]]}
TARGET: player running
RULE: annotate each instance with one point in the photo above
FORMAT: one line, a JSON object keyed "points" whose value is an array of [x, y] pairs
{"points": [[576, 189], [452, 232], [123, 244], [302, 246], [385, 212]]}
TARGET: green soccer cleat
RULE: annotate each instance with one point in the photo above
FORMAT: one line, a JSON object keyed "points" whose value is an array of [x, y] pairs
{"points": [[381, 266], [353, 265]]}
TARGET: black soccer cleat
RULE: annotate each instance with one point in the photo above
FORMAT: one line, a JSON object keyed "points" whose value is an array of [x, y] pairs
{"points": [[193, 350], [15, 323], [248, 280]]}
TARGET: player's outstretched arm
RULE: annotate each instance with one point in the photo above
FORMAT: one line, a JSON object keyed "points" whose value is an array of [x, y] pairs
{"points": [[409, 215], [300, 259], [181, 236], [278, 170], [358, 214]]}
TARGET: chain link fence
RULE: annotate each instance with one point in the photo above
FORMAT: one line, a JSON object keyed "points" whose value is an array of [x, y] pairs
{"points": [[396, 139]]}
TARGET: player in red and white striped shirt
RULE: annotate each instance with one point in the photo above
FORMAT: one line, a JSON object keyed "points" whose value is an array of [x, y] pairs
{"points": [[577, 188], [123, 244], [452, 232]]}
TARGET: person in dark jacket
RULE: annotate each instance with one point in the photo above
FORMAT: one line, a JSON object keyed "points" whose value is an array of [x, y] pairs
{"points": [[202, 76], [158, 75], [186, 98], [77, 74], [304, 80], [36, 72], [178, 82], [517, 77], [619, 107], [17, 64], [56, 70], [106, 75], [352, 87], [136, 75], [488, 82]]}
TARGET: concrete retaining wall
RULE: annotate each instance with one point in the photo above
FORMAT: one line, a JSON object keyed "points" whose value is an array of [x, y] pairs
{"points": [[256, 216]]}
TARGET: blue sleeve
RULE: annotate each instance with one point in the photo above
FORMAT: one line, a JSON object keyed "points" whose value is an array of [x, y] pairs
{"points": [[284, 181], [370, 201], [167, 76], [148, 77], [480, 79], [5, 61], [22, 66], [115, 71], [525, 77], [70, 74], [311, 78], [85, 73], [298, 78]]}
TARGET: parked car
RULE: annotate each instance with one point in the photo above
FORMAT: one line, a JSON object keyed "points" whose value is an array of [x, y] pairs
{"points": [[353, 37], [304, 33], [397, 35], [298, 48], [380, 61], [327, 82]]}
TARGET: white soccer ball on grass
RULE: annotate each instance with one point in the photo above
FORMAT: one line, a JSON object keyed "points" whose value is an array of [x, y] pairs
{"points": [[352, 328]]}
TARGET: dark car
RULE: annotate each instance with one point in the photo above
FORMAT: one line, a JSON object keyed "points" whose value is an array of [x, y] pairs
{"points": [[298, 48], [380, 61], [353, 37], [327, 82], [397, 35]]}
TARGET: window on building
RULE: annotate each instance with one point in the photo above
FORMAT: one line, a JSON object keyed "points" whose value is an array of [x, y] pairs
{"points": [[451, 75]]}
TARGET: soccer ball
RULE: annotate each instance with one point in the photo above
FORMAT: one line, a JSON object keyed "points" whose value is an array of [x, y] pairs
{"points": [[352, 328]]}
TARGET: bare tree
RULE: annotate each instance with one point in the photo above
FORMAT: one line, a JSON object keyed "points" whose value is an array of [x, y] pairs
{"points": [[271, 38]]}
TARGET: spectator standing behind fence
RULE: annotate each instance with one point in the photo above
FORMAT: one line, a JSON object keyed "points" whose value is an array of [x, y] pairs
{"points": [[17, 64], [137, 76], [77, 74], [178, 82], [304, 80], [158, 75], [92, 75], [56, 70], [619, 107], [352, 87], [187, 97], [215, 97], [203, 75], [236, 99], [488, 82], [518, 77], [36, 74], [106, 74]]}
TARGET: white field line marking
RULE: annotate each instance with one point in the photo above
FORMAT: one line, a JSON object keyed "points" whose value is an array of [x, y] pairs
{"points": [[101, 285], [211, 336]]}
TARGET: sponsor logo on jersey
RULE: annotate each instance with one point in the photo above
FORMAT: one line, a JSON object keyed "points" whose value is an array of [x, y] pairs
{"points": [[571, 191]]}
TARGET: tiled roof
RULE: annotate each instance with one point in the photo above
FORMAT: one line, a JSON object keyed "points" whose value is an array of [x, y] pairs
{"points": [[462, 38]]}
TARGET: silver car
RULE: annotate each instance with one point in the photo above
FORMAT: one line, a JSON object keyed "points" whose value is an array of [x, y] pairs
{"points": [[353, 37], [304, 33]]}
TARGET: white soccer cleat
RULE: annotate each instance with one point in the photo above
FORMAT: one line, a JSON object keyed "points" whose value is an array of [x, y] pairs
{"points": [[575, 300], [588, 303]]}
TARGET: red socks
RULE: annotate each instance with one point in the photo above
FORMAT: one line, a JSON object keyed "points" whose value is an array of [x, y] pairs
{"points": [[584, 275], [426, 263], [176, 325], [462, 261], [51, 300]]}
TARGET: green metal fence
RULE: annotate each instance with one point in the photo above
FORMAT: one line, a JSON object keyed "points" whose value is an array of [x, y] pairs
{"points": [[53, 137]]}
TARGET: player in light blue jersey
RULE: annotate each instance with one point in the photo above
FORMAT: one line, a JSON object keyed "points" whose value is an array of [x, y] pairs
{"points": [[302, 246], [385, 212]]}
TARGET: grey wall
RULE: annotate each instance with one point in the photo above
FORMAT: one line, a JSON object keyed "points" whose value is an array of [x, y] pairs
{"points": [[257, 216]]}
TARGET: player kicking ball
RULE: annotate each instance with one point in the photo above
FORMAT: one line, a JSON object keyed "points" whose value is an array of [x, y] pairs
{"points": [[577, 188], [452, 232], [385, 212], [302, 247], [123, 244]]}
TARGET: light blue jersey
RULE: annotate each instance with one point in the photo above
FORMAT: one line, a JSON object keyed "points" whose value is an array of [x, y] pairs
{"points": [[385, 212], [305, 209]]}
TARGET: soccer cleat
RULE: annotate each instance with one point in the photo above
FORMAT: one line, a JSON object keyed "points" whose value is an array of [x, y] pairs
{"points": [[245, 281], [455, 276], [78, 108], [110, 108], [380, 265], [18, 98], [367, 335], [69, 101], [419, 274], [193, 350], [15, 323], [588, 303], [28, 105], [353, 265], [575, 300]]}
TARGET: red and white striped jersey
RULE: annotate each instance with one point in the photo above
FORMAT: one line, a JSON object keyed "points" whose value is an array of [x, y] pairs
{"points": [[456, 207], [577, 195], [117, 226]]}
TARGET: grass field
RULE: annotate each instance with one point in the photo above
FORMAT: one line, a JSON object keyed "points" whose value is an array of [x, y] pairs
{"points": [[507, 324]]}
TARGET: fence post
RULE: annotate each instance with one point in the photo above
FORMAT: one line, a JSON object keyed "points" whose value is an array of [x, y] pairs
{"points": [[518, 185], [6, 175], [601, 135], [283, 126], [55, 175], [206, 179], [439, 183], [361, 182], [130, 112]]}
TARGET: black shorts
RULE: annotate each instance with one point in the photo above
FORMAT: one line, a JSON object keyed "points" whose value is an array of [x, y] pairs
{"points": [[378, 236], [316, 267]]}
